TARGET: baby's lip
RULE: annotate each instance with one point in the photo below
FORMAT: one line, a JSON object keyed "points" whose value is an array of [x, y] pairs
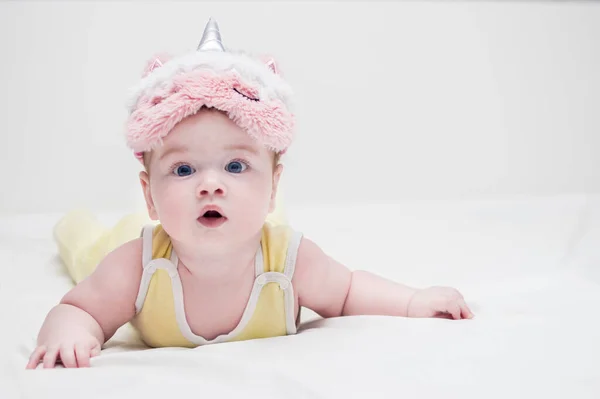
{"points": [[213, 208], [211, 216], [212, 222]]}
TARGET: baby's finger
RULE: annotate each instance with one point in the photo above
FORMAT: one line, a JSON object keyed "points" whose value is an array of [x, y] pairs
{"points": [[67, 356], [82, 353], [95, 351], [465, 311], [35, 357], [50, 358], [454, 309]]}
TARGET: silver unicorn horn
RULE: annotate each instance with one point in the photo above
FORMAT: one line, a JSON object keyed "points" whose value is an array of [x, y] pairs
{"points": [[211, 38]]}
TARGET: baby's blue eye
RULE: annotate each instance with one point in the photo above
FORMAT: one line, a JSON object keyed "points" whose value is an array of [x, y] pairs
{"points": [[184, 170], [236, 167]]}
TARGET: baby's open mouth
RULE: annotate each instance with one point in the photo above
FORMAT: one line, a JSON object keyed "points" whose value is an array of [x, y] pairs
{"points": [[212, 214], [212, 219]]}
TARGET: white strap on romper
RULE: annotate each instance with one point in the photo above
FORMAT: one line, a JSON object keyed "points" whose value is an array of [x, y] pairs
{"points": [[261, 279]]}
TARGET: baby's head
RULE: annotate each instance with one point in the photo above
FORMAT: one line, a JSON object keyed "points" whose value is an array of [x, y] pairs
{"points": [[210, 127]]}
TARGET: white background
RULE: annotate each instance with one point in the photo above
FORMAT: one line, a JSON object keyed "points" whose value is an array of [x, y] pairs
{"points": [[395, 101]]}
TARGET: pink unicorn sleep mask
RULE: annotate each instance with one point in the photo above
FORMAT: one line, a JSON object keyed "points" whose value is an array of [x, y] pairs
{"points": [[248, 89]]}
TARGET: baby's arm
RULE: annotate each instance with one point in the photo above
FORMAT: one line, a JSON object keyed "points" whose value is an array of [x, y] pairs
{"points": [[89, 314], [331, 289]]}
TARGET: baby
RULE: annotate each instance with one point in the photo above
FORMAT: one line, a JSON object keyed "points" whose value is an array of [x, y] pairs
{"points": [[210, 128]]}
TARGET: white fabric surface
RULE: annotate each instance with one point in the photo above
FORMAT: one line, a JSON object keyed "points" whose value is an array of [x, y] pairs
{"points": [[529, 268]]}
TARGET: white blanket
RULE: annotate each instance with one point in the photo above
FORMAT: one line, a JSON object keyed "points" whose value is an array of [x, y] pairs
{"points": [[527, 268]]}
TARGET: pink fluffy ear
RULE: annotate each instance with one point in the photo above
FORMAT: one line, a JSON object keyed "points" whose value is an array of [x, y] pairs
{"points": [[155, 62], [271, 64]]}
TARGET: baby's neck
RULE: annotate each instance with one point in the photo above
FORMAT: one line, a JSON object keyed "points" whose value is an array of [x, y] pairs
{"points": [[213, 264]]}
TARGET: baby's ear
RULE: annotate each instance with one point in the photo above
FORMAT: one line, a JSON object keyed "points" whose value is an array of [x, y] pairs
{"points": [[155, 62], [145, 182]]}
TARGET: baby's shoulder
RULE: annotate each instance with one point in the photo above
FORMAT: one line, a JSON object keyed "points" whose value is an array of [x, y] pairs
{"points": [[131, 250], [124, 263]]}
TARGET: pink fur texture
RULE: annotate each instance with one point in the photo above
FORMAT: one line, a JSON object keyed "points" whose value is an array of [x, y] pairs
{"points": [[268, 121]]}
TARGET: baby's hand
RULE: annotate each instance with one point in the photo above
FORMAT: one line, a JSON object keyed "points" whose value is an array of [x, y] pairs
{"points": [[439, 302], [73, 350]]}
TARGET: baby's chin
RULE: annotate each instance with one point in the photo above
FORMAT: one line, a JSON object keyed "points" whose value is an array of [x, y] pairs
{"points": [[217, 230], [223, 239]]}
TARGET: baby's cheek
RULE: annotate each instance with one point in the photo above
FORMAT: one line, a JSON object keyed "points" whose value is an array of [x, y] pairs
{"points": [[255, 206], [169, 199]]}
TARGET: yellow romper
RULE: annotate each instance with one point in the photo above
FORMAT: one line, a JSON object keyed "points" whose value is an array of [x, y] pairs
{"points": [[160, 317]]}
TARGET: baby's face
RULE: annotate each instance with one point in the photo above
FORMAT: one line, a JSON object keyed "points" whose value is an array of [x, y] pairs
{"points": [[208, 163]]}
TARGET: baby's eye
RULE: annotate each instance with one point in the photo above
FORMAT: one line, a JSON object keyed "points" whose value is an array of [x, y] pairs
{"points": [[183, 170], [236, 167]]}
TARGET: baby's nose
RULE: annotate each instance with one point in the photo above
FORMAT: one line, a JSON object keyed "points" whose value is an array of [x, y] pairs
{"points": [[210, 186]]}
